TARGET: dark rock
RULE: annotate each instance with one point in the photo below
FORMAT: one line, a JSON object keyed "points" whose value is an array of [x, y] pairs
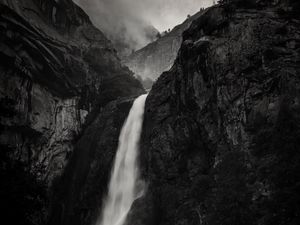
{"points": [[57, 72], [78, 194], [212, 146], [54, 75]]}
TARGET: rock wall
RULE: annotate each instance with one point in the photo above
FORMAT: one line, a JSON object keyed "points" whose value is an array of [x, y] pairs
{"points": [[57, 72], [157, 57], [78, 194], [221, 132], [54, 72]]}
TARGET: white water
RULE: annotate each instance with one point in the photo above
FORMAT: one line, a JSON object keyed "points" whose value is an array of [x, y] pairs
{"points": [[125, 186]]}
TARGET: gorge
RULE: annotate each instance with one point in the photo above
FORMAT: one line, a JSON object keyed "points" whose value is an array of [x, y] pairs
{"points": [[216, 140]]}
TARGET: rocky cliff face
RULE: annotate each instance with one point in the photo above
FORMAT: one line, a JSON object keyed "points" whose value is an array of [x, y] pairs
{"points": [[57, 72], [78, 194], [157, 57], [56, 68], [221, 132]]}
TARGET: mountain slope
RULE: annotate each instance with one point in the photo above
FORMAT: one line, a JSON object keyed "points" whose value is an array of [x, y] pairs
{"points": [[221, 134], [57, 72], [158, 56]]}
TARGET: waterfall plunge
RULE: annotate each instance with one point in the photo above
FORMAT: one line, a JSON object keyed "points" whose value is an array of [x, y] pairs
{"points": [[124, 187]]}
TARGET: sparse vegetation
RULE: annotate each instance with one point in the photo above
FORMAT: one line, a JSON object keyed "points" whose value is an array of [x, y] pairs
{"points": [[158, 35], [239, 3]]}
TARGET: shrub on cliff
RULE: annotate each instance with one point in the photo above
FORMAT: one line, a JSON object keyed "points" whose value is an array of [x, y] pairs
{"points": [[240, 3]]}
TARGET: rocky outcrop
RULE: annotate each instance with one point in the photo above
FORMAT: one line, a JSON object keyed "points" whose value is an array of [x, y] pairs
{"points": [[221, 131], [78, 194], [57, 72], [220, 144], [158, 56]]}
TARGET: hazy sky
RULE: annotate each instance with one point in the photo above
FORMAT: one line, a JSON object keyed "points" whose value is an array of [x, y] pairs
{"points": [[111, 16], [164, 14]]}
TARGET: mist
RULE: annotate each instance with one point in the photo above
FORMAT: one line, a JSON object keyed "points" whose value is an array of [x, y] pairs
{"points": [[136, 22]]}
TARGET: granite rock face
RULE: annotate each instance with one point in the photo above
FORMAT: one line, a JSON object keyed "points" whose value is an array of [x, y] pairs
{"points": [[158, 56], [78, 194], [221, 133], [220, 143], [56, 68], [57, 73]]}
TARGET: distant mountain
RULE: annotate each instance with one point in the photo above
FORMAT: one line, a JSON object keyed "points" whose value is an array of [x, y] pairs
{"points": [[128, 32], [159, 56], [125, 45]]}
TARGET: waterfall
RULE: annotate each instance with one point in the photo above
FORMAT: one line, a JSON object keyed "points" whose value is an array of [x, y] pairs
{"points": [[125, 186]]}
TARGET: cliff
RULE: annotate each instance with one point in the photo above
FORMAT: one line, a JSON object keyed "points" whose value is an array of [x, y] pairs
{"points": [[57, 72], [220, 142], [158, 56], [78, 194], [221, 133]]}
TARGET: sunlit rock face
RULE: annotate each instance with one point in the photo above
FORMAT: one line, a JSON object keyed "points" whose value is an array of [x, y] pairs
{"points": [[56, 68], [157, 57], [220, 126]]}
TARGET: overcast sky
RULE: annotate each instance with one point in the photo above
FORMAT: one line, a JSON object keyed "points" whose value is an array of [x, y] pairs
{"points": [[111, 16], [162, 14]]}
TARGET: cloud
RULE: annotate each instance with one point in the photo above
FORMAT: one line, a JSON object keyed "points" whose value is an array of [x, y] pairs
{"points": [[129, 19]]}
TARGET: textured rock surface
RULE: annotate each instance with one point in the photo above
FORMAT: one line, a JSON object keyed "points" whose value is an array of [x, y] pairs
{"points": [[221, 134], [158, 56], [57, 72], [221, 131], [56, 68], [78, 194]]}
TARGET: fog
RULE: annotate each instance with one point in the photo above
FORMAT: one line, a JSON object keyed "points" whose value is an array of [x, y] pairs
{"points": [[131, 20]]}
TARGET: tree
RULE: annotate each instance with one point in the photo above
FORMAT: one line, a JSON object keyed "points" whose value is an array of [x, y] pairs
{"points": [[239, 3], [158, 35]]}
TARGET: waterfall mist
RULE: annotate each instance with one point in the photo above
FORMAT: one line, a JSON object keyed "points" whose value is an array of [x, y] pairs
{"points": [[125, 185]]}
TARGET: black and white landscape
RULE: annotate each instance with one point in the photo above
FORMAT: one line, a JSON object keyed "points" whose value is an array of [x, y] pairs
{"points": [[123, 112]]}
